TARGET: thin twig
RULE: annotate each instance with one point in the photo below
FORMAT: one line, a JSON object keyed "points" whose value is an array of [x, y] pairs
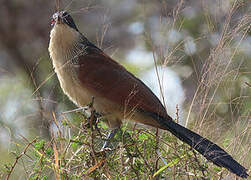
{"points": [[18, 157]]}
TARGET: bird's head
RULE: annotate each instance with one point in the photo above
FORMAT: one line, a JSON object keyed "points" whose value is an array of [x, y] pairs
{"points": [[64, 35], [64, 19]]}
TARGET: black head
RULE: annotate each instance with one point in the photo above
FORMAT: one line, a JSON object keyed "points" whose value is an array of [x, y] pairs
{"points": [[63, 17]]}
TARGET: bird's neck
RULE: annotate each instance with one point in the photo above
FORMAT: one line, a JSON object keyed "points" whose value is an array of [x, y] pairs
{"points": [[63, 45]]}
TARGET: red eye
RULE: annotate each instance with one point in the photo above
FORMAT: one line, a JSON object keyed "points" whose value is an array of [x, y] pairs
{"points": [[52, 22]]}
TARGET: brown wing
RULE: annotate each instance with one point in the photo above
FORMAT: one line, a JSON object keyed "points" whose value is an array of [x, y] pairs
{"points": [[105, 76]]}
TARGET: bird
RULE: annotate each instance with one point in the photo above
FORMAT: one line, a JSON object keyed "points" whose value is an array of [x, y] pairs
{"points": [[84, 72]]}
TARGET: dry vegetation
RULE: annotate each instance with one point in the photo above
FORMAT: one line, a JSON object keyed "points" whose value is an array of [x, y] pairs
{"points": [[218, 109]]}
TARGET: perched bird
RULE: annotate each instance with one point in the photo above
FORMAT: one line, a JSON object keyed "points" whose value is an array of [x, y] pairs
{"points": [[85, 71]]}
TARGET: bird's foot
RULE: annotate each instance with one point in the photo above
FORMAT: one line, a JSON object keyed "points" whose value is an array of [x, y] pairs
{"points": [[107, 141]]}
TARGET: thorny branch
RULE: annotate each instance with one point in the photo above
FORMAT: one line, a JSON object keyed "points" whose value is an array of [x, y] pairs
{"points": [[19, 156]]}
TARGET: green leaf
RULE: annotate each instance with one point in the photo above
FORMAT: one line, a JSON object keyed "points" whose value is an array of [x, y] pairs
{"points": [[49, 151], [218, 169], [39, 145], [143, 137], [75, 145], [45, 178]]}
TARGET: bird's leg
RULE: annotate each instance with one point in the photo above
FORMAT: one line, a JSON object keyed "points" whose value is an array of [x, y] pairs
{"points": [[91, 115], [110, 136]]}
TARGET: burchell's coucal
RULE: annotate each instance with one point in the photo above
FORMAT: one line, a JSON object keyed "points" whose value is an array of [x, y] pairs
{"points": [[85, 71]]}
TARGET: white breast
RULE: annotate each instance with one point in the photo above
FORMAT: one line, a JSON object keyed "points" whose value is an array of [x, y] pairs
{"points": [[62, 40]]}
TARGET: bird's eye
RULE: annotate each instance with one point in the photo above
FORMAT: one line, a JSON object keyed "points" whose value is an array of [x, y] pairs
{"points": [[52, 22]]}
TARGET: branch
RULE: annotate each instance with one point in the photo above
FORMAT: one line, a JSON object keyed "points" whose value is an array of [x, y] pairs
{"points": [[18, 157]]}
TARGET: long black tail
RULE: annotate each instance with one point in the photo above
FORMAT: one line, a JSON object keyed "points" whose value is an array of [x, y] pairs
{"points": [[207, 148]]}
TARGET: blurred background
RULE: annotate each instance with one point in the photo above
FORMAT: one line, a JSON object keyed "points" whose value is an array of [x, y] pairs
{"points": [[195, 56]]}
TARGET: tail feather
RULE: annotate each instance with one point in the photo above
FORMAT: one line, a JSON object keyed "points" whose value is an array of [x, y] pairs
{"points": [[205, 147]]}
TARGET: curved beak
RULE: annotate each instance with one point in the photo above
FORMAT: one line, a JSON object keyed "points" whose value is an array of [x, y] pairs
{"points": [[57, 18]]}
